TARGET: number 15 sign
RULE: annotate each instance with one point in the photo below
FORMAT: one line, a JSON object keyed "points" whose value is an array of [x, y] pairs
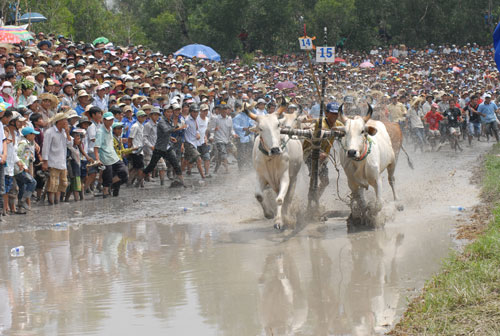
{"points": [[325, 54]]}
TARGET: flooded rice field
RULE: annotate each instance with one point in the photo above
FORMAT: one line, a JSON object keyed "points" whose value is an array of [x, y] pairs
{"points": [[142, 264]]}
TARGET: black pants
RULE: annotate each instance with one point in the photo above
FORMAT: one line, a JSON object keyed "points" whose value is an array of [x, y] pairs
{"points": [[117, 169], [168, 155]]}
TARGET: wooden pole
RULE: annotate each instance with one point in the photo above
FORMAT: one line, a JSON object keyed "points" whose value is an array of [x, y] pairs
{"points": [[313, 197], [17, 12]]}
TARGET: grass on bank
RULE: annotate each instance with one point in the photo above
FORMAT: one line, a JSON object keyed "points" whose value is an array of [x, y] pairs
{"points": [[464, 299]]}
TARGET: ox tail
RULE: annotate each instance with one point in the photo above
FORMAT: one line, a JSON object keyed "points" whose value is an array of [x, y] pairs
{"points": [[410, 163]]}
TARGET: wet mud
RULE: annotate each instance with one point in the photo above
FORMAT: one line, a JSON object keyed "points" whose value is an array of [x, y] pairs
{"points": [[160, 261]]}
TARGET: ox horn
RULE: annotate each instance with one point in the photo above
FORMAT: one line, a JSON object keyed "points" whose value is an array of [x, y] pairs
{"points": [[342, 117], [368, 114], [283, 106], [248, 113]]}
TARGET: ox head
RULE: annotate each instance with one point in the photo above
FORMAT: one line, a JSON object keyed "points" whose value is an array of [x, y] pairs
{"points": [[268, 127], [356, 131]]}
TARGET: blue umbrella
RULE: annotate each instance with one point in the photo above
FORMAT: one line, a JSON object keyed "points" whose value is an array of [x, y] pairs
{"points": [[199, 51], [32, 17], [496, 44]]}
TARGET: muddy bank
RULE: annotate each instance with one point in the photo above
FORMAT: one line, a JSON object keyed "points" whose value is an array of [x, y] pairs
{"points": [[139, 263]]}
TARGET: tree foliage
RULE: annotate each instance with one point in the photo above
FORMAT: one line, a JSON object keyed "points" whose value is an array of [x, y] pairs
{"points": [[236, 27]]}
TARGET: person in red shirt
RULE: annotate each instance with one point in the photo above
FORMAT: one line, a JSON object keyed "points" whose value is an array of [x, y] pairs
{"points": [[433, 117]]}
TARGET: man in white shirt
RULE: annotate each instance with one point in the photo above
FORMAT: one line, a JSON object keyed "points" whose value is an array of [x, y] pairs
{"points": [[3, 159], [193, 138], [260, 109], [55, 142], [136, 140], [95, 115], [100, 98], [203, 148], [223, 132]]}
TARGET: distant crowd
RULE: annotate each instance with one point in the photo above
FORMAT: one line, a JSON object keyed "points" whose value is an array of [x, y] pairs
{"points": [[82, 120]]}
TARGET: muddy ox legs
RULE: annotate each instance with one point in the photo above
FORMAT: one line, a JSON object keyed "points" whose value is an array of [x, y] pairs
{"points": [[259, 195]]}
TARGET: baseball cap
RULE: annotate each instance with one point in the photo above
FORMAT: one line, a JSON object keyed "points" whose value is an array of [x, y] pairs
{"points": [[29, 130], [141, 113], [117, 124], [332, 107], [108, 116]]}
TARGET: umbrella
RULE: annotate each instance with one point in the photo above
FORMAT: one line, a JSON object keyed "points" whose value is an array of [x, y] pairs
{"points": [[285, 85], [19, 31], [8, 38], [366, 65], [392, 59], [339, 60], [32, 17], [101, 39], [198, 50]]}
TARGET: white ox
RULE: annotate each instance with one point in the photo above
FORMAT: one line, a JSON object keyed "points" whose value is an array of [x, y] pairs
{"points": [[277, 160], [367, 152]]}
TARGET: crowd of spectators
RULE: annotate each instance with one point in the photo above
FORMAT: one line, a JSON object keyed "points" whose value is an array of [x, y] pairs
{"points": [[81, 120]]}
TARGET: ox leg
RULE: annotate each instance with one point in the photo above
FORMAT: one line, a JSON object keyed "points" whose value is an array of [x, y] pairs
{"points": [[288, 201], [284, 184], [259, 195], [378, 192], [392, 182], [358, 202]]}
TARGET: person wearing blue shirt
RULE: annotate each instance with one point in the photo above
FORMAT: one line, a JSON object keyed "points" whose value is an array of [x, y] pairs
{"points": [[128, 121], [487, 110], [241, 125]]}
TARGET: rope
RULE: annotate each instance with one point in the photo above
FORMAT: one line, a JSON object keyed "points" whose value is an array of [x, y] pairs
{"points": [[334, 161]]}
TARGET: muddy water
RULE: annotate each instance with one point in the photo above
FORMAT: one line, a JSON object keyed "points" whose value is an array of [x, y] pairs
{"points": [[140, 265]]}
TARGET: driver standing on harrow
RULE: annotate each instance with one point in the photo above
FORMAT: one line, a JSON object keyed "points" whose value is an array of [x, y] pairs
{"points": [[329, 122]]}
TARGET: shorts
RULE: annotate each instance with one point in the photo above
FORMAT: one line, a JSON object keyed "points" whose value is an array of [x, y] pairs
{"points": [[76, 184], [2, 180], [9, 182], [221, 150], [190, 153], [322, 169], [136, 160], [474, 128], [455, 130], [204, 151], [434, 133], [58, 180]]}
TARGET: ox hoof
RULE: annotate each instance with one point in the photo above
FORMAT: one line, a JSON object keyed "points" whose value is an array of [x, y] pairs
{"points": [[278, 226], [400, 207]]}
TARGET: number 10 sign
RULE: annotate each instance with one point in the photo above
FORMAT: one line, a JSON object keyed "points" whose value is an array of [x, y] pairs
{"points": [[325, 54]]}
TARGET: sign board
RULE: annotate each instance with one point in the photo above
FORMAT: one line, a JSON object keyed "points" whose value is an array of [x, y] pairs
{"points": [[305, 43], [325, 54]]}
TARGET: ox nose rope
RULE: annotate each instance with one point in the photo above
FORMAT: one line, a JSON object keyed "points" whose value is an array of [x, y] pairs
{"points": [[268, 153], [367, 149]]}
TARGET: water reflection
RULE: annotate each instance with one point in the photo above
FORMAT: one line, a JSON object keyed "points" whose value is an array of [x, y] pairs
{"points": [[193, 279]]}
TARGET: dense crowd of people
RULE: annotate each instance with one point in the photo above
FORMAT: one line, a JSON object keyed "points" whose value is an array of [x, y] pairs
{"points": [[81, 120]]}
